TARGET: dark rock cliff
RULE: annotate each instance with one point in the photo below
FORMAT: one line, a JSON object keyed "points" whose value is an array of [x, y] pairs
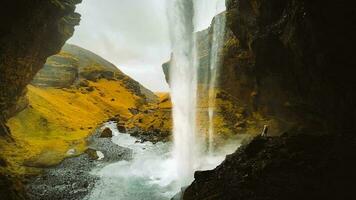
{"points": [[30, 32], [291, 60], [295, 166], [294, 60]]}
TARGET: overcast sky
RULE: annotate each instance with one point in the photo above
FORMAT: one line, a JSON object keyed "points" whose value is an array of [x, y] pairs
{"points": [[133, 35]]}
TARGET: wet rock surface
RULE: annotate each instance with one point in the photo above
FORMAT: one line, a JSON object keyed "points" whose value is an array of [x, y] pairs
{"points": [[106, 133], [72, 180], [121, 128], [295, 166]]}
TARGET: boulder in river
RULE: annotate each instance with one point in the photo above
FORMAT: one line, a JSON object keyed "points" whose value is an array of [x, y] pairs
{"points": [[121, 128], [92, 154], [107, 133]]}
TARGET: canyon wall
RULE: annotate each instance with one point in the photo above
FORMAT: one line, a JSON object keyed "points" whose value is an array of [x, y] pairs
{"points": [[30, 32], [288, 62], [291, 61]]}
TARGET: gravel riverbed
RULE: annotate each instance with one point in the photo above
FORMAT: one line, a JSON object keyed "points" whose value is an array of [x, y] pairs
{"points": [[72, 179]]}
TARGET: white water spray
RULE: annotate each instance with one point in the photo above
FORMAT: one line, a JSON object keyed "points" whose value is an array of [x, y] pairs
{"points": [[186, 17], [217, 43], [183, 83]]}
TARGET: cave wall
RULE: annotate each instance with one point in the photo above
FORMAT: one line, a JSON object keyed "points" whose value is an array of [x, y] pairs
{"points": [[288, 62], [30, 32], [293, 61]]}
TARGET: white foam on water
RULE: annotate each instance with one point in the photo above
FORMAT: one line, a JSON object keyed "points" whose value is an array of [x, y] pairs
{"points": [[100, 155], [151, 174]]}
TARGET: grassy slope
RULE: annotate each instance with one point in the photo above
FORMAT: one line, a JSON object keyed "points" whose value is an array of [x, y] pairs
{"points": [[229, 119], [60, 119], [155, 116]]}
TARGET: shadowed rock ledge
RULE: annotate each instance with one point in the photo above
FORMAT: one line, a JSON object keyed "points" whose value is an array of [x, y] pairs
{"points": [[30, 32], [290, 60], [294, 166]]}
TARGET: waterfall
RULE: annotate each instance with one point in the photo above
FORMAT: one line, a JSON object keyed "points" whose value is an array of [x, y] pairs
{"points": [[183, 84], [185, 17], [217, 43]]}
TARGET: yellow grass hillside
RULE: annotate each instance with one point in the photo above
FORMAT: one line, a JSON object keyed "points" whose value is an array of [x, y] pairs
{"points": [[69, 98], [60, 119], [229, 118], [156, 116]]}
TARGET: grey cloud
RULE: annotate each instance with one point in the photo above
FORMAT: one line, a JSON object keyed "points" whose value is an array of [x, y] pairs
{"points": [[133, 34], [126, 32]]}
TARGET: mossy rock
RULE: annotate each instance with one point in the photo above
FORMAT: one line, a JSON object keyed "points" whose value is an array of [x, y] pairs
{"points": [[107, 133], [92, 154], [122, 129]]}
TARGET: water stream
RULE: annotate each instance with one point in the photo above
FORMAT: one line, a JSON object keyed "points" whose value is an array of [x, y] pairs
{"points": [[150, 174], [159, 171]]}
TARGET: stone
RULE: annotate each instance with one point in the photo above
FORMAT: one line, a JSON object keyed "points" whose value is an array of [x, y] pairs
{"points": [[3, 162], [71, 152], [92, 153], [121, 128], [90, 89], [134, 111], [106, 133], [280, 168], [84, 83]]}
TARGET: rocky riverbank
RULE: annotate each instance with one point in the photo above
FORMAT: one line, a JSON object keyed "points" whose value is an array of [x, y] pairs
{"points": [[72, 179], [153, 136]]}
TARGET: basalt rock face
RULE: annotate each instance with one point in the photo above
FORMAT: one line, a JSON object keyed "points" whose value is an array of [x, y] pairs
{"points": [[295, 166], [30, 32], [293, 61], [290, 60]]}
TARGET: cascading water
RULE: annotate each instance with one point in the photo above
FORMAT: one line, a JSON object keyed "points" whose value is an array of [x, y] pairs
{"points": [[218, 38], [183, 84], [151, 174], [186, 17]]}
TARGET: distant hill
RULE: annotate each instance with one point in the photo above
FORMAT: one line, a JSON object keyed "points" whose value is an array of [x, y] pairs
{"points": [[75, 64]]}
